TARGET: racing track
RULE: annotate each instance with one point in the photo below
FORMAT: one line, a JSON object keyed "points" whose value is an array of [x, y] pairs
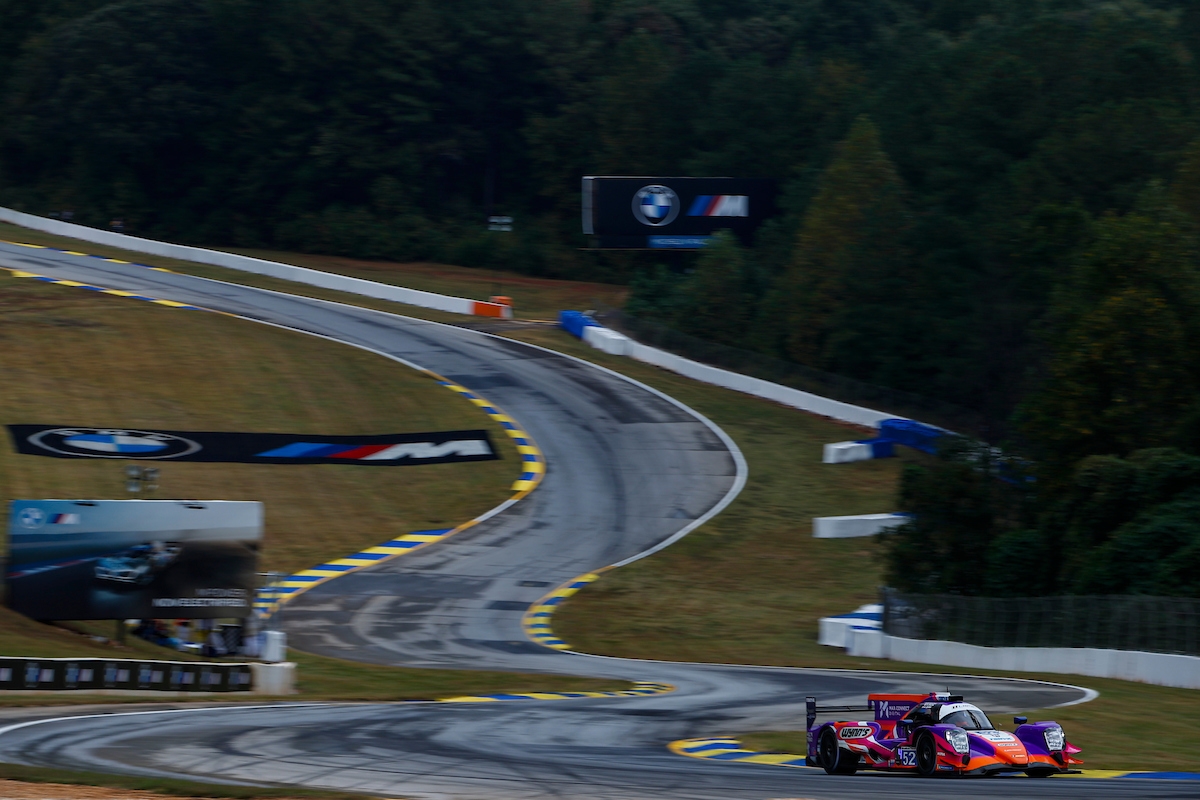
{"points": [[627, 469]]}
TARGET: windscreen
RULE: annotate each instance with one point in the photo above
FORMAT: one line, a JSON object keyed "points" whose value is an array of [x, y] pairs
{"points": [[971, 719]]}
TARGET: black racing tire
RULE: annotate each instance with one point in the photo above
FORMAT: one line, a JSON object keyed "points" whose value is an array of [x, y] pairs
{"points": [[926, 756], [834, 759]]}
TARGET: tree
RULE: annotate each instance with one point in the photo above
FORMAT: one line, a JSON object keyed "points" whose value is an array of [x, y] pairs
{"points": [[715, 301], [848, 269], [1123, 375]]}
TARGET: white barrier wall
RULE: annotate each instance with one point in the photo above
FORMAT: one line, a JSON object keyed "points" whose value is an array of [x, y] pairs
{"points": [[258, 266], [845, 452], [607, 340], [1160, 669], [274, 679], [794, 398], [856, 525]]}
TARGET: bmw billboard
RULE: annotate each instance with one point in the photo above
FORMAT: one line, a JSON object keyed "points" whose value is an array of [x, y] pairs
{"points": [[672, 213], [122, 559]]}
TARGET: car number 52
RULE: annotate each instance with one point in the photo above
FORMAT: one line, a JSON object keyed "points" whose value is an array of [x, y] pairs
{"points": [[907, 756]]}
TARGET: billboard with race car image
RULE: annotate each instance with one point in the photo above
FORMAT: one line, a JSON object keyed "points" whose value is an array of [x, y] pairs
{"points": [[122, 559]]}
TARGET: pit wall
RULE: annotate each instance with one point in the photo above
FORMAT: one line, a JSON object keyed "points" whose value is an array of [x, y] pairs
{"points": [[258, 266], [1160, 669]]}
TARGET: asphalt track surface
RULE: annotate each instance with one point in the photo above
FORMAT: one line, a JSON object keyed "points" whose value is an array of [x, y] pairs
{"points": [[627, 470]]}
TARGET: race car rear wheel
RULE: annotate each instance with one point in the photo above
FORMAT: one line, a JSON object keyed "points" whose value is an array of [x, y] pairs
{"points": [[834, 759], [926, 756]]}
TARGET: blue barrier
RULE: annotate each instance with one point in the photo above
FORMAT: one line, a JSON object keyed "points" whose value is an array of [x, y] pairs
{"points": [[916, 435], [573, 322], [880, 448]]}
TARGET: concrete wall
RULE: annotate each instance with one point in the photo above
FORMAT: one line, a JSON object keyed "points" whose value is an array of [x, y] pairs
{"points": [[855, 525], [1160, 669], [258, 266], [794, 398]]}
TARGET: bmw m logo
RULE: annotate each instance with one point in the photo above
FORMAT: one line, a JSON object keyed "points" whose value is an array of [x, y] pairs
{"points": [[655, 205], [113, 443]]}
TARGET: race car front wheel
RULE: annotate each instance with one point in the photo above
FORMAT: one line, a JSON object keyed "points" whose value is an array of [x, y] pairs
{"points": [[926, 756], [834, 759]]}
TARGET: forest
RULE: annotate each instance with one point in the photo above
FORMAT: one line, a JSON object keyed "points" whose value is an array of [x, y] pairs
{"points": [[990, 203]]}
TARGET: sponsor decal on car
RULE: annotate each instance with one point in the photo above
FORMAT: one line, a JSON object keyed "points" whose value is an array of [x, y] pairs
{"points": [[855, 732]]}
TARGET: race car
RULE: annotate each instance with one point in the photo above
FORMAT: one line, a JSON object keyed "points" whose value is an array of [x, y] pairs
{"points": [[935, 734], [138, 565]]}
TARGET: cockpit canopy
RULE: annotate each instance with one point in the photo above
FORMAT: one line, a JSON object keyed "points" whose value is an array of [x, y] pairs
{"points": [[963, 715]]}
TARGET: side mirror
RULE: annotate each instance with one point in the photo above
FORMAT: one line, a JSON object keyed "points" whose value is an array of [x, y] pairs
{"points": [[1020, 720]]}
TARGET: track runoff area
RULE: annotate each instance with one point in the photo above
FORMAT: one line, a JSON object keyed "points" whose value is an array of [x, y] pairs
{"points": [[620, 459]]}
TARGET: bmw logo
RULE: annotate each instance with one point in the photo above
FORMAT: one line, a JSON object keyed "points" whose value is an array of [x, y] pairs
{"points": [[655, 205], [31, 517], [113, 443]]}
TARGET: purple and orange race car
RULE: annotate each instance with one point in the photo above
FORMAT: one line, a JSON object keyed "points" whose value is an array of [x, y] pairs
{"points": [[935, 734]]}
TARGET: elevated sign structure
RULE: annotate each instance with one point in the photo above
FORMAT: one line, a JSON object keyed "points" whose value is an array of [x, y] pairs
{"points": [[141, 559], [657, 213]]}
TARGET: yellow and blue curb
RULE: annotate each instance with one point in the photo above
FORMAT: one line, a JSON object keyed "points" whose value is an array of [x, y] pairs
{"points": [[533, 465], [640, 689], [730, 749], [536, 621], [18, 273], [726, 749]]}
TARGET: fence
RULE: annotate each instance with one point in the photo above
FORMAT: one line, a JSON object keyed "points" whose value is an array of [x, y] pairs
{"points": [[1111, 622], [798, 376]]}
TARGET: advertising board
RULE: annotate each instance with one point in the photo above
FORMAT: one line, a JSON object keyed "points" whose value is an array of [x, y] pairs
{"points": [[387, 450], [126, 559], [673, 213]]}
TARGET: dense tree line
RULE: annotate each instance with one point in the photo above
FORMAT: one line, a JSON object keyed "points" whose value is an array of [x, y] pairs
{"points": [[990, 202]]}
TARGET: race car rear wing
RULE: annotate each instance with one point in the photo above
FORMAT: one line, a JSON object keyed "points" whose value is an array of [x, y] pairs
{"points": [[812, 709]]}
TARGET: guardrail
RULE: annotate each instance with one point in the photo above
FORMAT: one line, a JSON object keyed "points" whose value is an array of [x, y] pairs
{"points": [[258, 266]]}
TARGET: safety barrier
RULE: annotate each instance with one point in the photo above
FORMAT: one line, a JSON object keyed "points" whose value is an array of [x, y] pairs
{"points": [[103, 674], [1160, 669], [574, 322], [835, 631], [861, 450], [856, 525], [911, 433], [607, 340], [258, 266]]}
